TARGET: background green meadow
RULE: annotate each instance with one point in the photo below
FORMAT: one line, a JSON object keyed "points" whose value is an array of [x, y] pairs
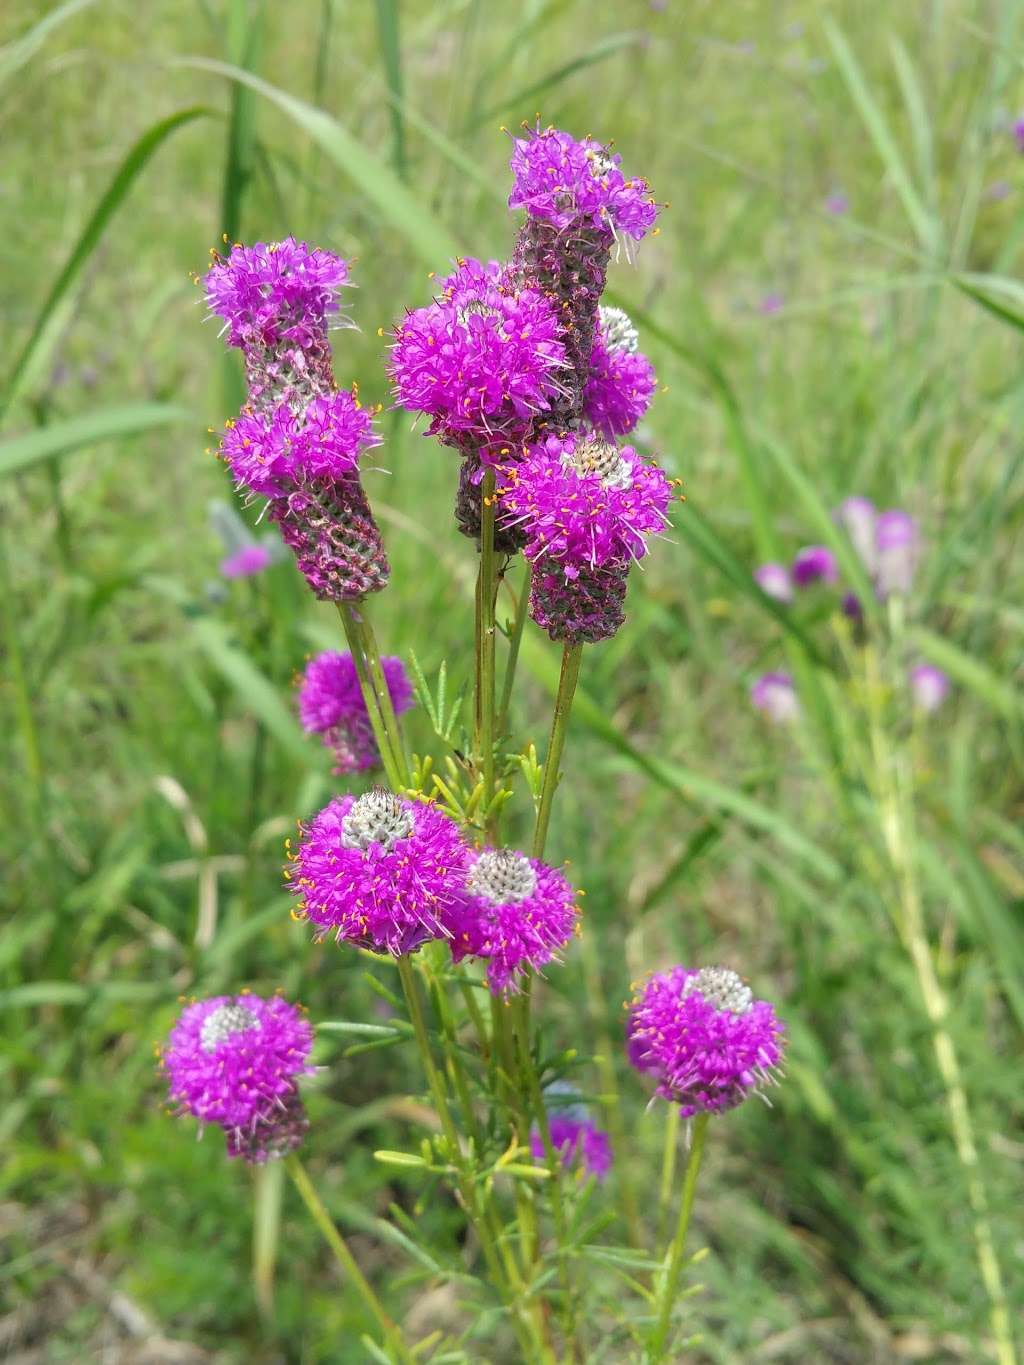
{"points": [[153, 765]]}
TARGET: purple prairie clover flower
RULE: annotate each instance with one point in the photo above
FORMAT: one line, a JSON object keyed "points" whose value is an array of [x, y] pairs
{"points": [[857, 517], [482, 360], [328, 526], [771, 304], [896, 553], [1018, 133], [378, 871], [563, 181], [235, 1061], [275, 299], [775, 696], [929, 686], [331, 704], [515, 912], [585, 508], [852, 607], [774, 580], [814, 564], [704, 1038], [249, 560], [323, 440], [837, 203], [621, 381], [578, 1143]]}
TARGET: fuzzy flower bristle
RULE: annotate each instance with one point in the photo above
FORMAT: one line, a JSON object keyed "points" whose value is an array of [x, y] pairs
{"points": [[331, 704], [234, 1061], [704, 1038], [322, 441], [482, 360], [378, 871], [560, 180], [515, 913]]}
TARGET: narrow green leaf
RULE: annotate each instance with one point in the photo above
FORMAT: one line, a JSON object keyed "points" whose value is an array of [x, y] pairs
{"points": [[127, 173], [395, 203], [255, 691], [390, 43], [1002, 297], [600, 52], [16, 54], [108, 424], [244, 41]]}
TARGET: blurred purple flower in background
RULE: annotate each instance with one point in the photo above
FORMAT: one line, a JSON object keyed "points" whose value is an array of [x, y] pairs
{"points": [[771, 304], [857, 517], [837, 203], [775, 696], [814, 564], [896, 553], [929, 686], [1018, 133], [331, 704], [774, 580], [251, 559]]}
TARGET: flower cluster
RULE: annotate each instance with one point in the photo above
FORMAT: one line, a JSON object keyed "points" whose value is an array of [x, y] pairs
{"points": [[703, 1038], [234, 1061], [331, 704], [585, 508], [298, 440], [515, 913]]}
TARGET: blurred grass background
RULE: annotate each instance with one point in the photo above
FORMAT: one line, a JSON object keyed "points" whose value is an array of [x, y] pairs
{"points": [[154, 766]]}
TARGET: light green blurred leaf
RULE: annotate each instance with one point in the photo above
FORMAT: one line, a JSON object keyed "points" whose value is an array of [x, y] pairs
{"points": [[108, 424]]}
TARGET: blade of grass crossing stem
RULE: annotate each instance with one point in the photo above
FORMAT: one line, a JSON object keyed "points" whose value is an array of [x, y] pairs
{"points": [[109, 424], [985, 289], [268, 1188], [924, 225], [254, 689], [244, 43], [42, 336], [390, 43], [394, 202]]}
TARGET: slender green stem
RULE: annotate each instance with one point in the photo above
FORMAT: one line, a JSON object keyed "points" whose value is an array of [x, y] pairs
{"points": [[19, 682], [486, 640], [380, 734], [563, 705], [668, 1167], [670, 1287], [380, 686], [437, 1091], [514, 641], [345, 1259]]}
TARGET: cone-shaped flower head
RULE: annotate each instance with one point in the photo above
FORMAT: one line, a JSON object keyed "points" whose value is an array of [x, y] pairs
{"points": [[774, 580], [515, 912], [331, 704], [896, 553], [482, 360], [275, 299], [929, 686], [322, 441], [705, 1039], [814, 564], [621, 381], [775, 695], [234, 1061], [578, 1142], [379, 871], [584, 508], [561, 180]]}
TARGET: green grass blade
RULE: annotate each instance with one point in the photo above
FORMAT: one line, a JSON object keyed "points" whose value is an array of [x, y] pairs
{"points": [[1002, 297], [924, 225], [255, 691], [395, 203], [127, 173], [389, 40], [971, 673], [920, 123], [600, 52], [108, 424], [245, 37], [14, 56]]}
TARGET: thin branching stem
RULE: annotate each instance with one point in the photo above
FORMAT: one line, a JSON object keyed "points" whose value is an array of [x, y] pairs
{"points": [[670, 1284]]}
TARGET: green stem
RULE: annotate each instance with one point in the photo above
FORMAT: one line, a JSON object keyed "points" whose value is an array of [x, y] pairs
{"points": [[485, 641], [351, 624], [563, 705], [380, 685], [19, 683], [675, 1265], [514, 641], [346, 1260], [668, 1167]]}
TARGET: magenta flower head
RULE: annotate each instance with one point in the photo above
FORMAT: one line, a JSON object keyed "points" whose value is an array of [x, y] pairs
{"points": [[896, 553], [621, 381], [814, 564], [324, 440], [561, 181], [704, 1038], [578, 1142], [775, 696], [1018, 133], [331, 704], [378, 871], [929, 686], [774, 580], [235, 1061], [515, 912], [275, 298], [482, 360], [249, 560], [857, 517], [585, 509], [837, 203]]}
